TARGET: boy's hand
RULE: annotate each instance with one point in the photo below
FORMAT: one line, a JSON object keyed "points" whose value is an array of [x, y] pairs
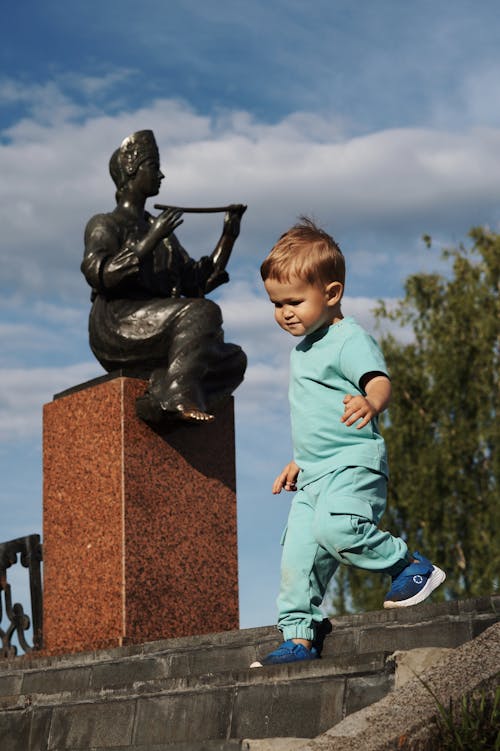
{"points": [[357, 408], [287, 478], [364, 408]]}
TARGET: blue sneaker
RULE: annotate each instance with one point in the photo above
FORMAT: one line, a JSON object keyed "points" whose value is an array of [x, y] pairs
{"points": [[414, 583], [287, 652]]}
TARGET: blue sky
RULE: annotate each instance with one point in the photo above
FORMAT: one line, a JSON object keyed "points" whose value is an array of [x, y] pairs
{"points": [[380, 119]]}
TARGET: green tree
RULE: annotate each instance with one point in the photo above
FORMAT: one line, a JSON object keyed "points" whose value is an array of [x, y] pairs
{"points": [[443, 425]]}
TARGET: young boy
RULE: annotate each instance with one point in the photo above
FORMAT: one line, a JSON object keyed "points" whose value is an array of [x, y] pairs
{"points": [[338, 386]]}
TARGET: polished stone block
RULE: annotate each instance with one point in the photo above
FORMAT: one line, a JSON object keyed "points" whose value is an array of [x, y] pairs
{"points": [[139, 528]]}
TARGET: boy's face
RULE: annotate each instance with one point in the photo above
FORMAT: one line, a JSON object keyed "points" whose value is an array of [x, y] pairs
{"points": [[301, 308]]}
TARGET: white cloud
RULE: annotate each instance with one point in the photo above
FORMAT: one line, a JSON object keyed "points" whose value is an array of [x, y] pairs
{"points": [[392, 182], [37, 332], [24, 392]]}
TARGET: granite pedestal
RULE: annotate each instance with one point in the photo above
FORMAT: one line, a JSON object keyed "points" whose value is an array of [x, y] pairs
{"points": [[139, 527]]}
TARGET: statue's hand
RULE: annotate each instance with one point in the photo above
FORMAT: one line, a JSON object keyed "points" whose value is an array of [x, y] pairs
{"points": [[215, 280], [232, 220], [222, 252], [161, 227], [165, 223]]}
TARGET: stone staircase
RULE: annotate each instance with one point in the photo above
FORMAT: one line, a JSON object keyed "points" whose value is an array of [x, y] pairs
{"points": [[198, 693]]}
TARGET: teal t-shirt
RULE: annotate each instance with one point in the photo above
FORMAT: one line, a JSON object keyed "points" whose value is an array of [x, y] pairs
{"points": [[325, 366]]}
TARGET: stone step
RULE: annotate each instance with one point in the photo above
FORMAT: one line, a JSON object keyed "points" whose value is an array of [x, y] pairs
{"points": [[303, 699], [445, 624], [145, 674], [200, 690]]}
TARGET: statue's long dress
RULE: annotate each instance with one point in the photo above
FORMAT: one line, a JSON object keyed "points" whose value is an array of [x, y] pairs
{"points": [[150, 319]]}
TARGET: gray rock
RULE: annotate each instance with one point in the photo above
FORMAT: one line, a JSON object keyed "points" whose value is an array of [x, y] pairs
{"points": [[414, 661], [408, 714]]}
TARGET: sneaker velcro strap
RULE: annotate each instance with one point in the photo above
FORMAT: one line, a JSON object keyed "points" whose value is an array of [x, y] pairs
{"points": [[417, 568]]}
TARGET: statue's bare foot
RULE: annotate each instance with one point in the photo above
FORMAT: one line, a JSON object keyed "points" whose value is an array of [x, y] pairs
{"points": [[193, 414], [152, 411]]}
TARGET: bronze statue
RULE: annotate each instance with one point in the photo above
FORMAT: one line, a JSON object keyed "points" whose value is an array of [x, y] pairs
{"points": [[149, 316]]}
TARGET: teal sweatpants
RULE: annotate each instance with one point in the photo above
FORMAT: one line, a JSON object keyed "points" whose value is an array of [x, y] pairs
{"points": [[332, 520]]}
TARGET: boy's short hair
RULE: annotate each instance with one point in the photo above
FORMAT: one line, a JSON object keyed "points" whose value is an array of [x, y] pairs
{"points": [[307, 252]]}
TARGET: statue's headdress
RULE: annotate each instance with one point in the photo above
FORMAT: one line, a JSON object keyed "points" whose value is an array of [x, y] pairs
{"points": [[134, 150]]}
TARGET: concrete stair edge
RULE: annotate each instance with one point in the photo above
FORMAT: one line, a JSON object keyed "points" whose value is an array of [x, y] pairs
{"points": [[373, 664]]}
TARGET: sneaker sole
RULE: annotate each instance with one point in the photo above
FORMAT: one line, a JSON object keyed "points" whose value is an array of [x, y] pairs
{"points": [[435, 579]]}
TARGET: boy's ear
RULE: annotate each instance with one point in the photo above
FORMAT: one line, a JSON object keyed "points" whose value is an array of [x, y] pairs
{"points": [[334, 292]]}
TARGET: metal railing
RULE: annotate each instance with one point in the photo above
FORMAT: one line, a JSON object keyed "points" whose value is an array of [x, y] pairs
{"points": [[29, 550]]}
